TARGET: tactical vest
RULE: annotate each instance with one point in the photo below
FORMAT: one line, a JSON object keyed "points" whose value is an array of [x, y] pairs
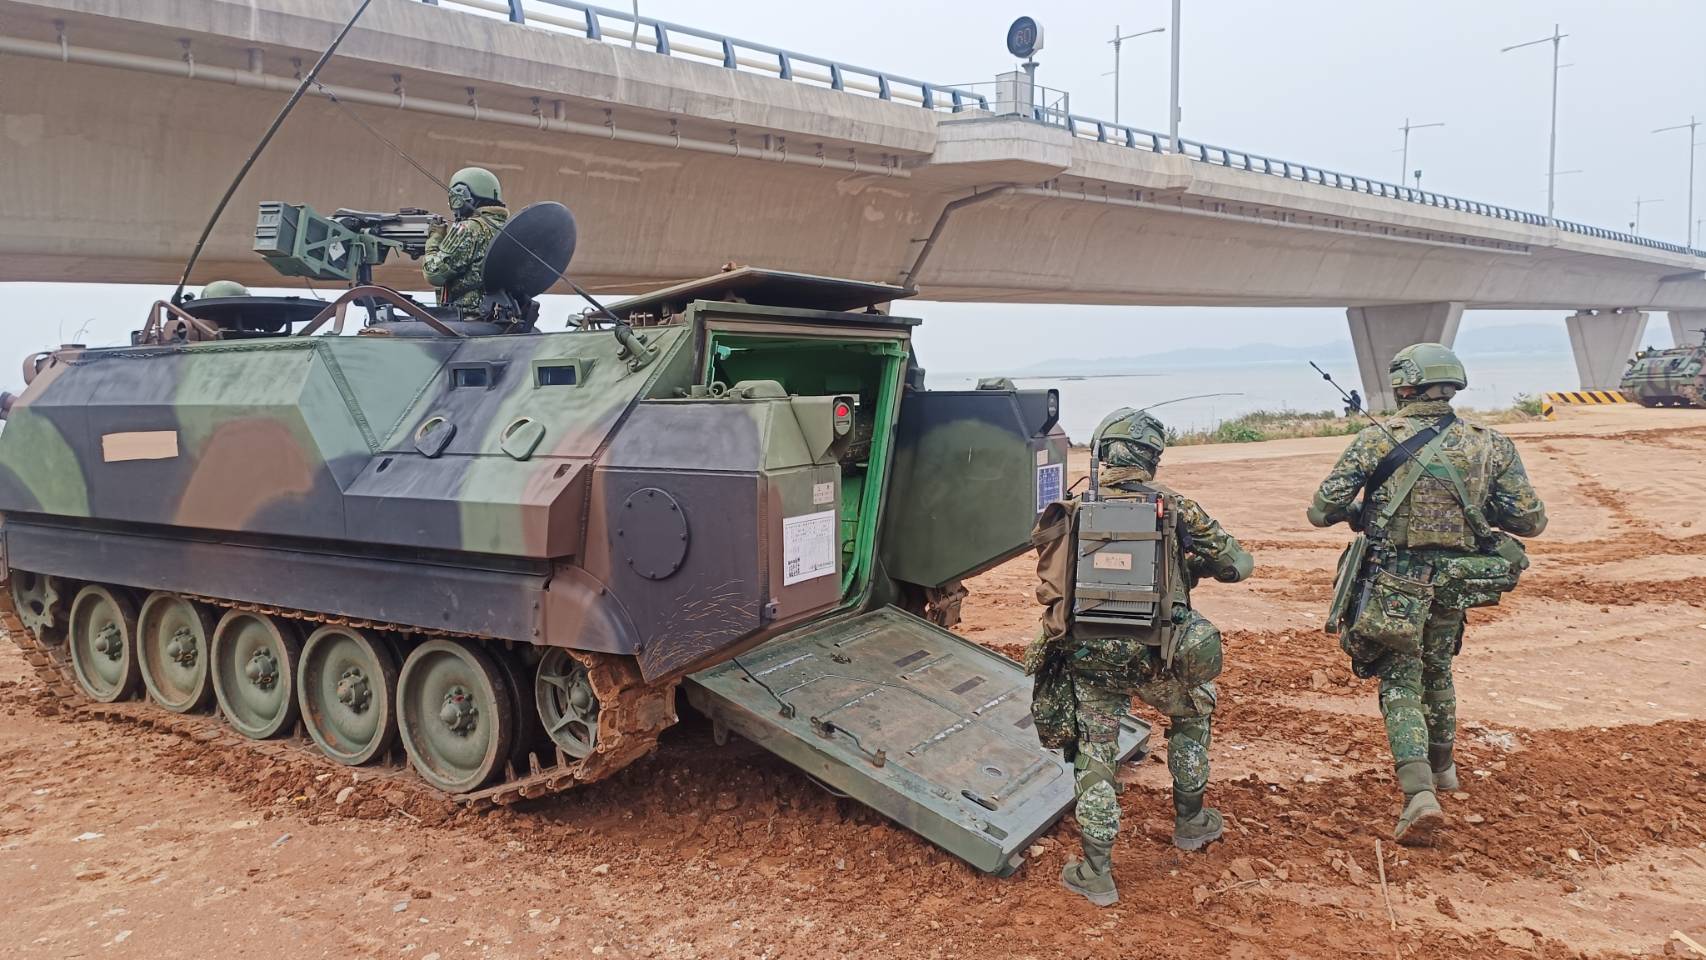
{"points": [[1130, 574], [1427, 512]]}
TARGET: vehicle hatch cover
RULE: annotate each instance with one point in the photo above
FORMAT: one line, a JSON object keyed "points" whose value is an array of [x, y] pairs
{"points": [[927, 728]]}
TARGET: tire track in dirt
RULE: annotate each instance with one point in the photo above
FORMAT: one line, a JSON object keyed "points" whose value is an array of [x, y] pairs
{"points": [[733, 835]]}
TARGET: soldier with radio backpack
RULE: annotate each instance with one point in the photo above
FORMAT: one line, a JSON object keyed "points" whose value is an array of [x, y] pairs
{"points": [[1438, 495], [1115, 573]]}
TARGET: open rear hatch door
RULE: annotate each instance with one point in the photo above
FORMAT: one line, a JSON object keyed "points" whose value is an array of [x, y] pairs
{"points": [[927, 728]]}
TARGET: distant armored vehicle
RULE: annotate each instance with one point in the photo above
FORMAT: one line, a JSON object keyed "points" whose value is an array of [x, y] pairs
{"points": [[1674, 377], [496, 551]]}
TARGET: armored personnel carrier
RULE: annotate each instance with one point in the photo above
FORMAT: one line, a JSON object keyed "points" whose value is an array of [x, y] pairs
{"points": [[491, 553], [1674, 377]]}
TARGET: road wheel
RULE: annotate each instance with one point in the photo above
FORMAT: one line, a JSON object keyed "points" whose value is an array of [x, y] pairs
{"points": [[567, 704], [346, 688], [255, 659], [456, 714], [173, 638], [102, 631]]}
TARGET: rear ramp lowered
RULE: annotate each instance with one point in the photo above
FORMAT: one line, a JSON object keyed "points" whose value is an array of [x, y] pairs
{"points": [[929, 729]]}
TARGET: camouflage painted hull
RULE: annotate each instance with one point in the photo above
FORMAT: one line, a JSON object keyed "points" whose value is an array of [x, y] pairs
{"points": [[1667, 378], [513, 547]]}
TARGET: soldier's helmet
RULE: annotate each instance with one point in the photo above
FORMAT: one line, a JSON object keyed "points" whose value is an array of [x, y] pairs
{"points": [[223, 288], [1130, 438], [1424, 365], [474, 187]]}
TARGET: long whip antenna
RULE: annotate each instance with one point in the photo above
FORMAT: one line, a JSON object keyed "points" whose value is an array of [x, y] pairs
{"points": [[278, 121], [1196, 396], [1397, 444]]}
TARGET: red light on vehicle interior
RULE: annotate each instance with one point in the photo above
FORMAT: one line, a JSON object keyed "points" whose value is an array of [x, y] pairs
{"points": [[842, 410]]}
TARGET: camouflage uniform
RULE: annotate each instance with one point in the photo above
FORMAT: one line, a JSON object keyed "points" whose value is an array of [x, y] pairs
{"points": [[1109, 666], [1428, 528], [455, 261], [1109, 670]]}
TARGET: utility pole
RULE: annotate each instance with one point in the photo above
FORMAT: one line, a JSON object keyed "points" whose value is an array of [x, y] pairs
{"points": [[1556, 39], [1117, 41], [1173, 98], [1688, 216], [1639, 203], [1404, 165]]}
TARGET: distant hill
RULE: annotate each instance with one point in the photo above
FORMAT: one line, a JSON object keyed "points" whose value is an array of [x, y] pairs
{"points": [[1530, 338], [1526, 338]]}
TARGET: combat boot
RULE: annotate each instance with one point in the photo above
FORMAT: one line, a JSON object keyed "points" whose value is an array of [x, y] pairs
{"points": [[1092, 876], [1445, 771], [1422, 816], [1194, 825]]}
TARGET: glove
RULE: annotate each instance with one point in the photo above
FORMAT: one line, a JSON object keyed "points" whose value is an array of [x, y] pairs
{"points": [[436, 234], [1323, 514]]}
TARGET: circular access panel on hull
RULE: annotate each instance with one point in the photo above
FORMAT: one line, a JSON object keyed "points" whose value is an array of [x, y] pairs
{"points": [[651, 533]]}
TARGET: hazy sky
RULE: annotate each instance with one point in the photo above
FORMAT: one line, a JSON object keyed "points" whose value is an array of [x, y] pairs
{"points": [[1326, 82]]}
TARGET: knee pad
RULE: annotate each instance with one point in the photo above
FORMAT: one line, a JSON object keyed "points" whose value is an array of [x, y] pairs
{"points": [[1094, 765], [1197, 658], [1399, 699]]}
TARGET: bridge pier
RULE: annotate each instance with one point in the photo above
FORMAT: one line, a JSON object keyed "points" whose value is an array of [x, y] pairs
{"points": [[1378, 333], [1687, 326], [1604, 342]]}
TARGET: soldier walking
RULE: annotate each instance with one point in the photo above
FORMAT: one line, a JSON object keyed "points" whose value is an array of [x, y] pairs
{"points": [[1436, 492], [455, 260], [1089, 666]]}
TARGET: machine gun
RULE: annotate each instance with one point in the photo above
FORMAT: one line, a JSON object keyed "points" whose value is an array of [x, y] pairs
{"points": [[344, 247]]}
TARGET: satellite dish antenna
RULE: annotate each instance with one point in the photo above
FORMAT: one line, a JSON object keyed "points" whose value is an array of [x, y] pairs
{"points": [[529, 255]]}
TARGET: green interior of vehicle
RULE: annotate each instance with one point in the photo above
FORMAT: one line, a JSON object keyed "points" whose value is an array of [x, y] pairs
{"points": [[823, 366]]}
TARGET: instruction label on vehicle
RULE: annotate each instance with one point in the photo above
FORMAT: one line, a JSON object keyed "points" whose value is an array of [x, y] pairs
{"points": [[823, 493], [1049, 479], [808, 547]]}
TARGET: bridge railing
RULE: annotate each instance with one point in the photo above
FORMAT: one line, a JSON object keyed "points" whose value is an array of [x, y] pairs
{"points": [[675, 40], [1089, 128]]}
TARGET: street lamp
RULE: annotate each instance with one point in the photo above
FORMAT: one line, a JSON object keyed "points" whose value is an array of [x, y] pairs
{"points": [[1556, 39], [1117, 41], [1173, 95], [1407, 127], [1639, 203], [1690, 126]]}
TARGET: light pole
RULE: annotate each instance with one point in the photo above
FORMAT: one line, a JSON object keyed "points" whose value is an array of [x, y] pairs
{"points": [[1688, 217], [1556, 39], [1639, 203], [1117, 41], [1173, 96], [1404, 166]]}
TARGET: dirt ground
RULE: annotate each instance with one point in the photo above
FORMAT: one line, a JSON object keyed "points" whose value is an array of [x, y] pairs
{"points": [[1580, 828]]}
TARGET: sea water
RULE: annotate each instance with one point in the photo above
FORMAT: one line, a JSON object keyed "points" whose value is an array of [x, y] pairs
{"points": [[1494, 382]]}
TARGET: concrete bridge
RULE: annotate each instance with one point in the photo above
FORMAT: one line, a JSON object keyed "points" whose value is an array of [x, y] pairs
{"points": [[681, 150]]}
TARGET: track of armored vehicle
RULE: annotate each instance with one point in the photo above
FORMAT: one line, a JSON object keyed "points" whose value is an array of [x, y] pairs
{"points": [[35, 614]]}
